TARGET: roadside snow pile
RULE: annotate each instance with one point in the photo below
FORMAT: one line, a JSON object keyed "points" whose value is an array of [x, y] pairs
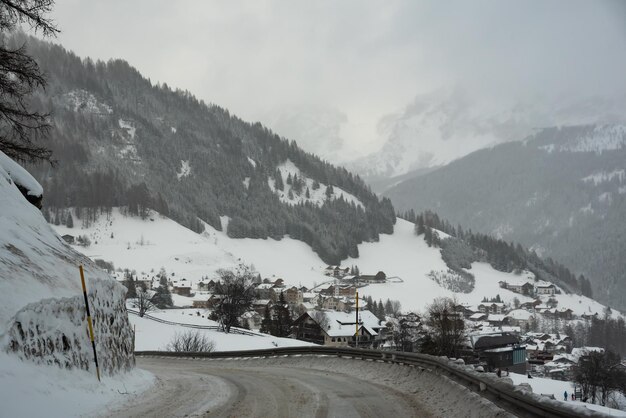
{"points": [[52, 331], [32, 390], [41, 306]]}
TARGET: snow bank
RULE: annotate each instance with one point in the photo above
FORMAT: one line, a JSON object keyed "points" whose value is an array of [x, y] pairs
{"points": [[31, 390], [20, 176], [41, 295], [53, 331]]}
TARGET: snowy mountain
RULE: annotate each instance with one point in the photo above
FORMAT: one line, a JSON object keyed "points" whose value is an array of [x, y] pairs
{"points": [[122, 141], [561, 191], [147, 245], [442, 126]]}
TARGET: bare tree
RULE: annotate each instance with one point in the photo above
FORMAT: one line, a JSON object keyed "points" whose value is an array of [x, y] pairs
{"points": [[191, 342], [20, 76], [144, 301], [447, 327], [237, 291]]}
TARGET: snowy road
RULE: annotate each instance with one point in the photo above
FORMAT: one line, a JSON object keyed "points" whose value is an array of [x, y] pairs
{"points": [[241, 389]]}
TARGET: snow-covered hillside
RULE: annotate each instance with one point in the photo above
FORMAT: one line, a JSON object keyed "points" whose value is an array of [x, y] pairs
{"points": [[402, 255], [316, 192]]}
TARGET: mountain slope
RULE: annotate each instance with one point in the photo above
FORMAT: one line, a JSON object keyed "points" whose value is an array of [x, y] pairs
{"points": [[120, 140], [441, 126], [146, 245], [561, 192]]}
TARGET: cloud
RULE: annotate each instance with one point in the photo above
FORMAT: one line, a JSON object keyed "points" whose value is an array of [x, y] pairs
{"points": [[362, 59]]}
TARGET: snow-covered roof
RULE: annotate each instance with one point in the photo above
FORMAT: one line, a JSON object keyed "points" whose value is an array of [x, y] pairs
{"points": [[341, 324], [477, 315], [495, 317], [520, 314]]}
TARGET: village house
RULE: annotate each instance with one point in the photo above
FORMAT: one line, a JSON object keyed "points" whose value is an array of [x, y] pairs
{"points": [[491, 307], [182, 287], [293, 296], [522, 287], [545, 288], [519, 317], [500, 351], [339, 328]]}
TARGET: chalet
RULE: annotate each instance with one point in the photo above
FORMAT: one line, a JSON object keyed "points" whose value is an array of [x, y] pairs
{"points": [[379, 277], [495, 320], [500, 351], [589, 315], [491, 307], [545, 289], [478, 316], [206, 286], [68, 238], [519, 317], [336, 271], [264, 290], [522, 287], [464, 309], [334, 304], [182, 288], [293, 296], [199, 303], [531, 306], [259, 305], [339, 328]]}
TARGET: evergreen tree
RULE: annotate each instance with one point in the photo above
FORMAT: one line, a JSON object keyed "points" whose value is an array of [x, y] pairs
{"points": [[266, 322], [329, 191], [278, 177], [308, 194], [130, 284], [69, 222]]}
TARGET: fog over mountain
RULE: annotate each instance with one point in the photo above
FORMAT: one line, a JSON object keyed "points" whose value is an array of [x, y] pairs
{"points": [[366, 70]]}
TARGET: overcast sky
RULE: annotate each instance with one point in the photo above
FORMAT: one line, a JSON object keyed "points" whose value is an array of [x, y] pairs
{"points": [[360, 59]]}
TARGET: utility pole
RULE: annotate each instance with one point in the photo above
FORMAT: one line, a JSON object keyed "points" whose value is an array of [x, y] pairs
{"points": [[357, 319]]}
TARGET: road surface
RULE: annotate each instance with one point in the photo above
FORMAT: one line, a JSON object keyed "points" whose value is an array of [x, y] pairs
{"points": [[200, 388]]}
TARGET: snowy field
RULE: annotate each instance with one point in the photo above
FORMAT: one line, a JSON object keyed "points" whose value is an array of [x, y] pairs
{"points": [[152, 335], [147, 245], [557, 389]]}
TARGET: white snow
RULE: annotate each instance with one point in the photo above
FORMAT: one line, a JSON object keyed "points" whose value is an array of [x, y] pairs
{"points": [[153, 335], [317, 197], [185, 169], [603, 176], [402, 254], [173, 129], [83, 101], [246, 182], [557, 388], [128, 127], [40, 272], [28, 389], [603, 138], [20, 175], [252, 162]]}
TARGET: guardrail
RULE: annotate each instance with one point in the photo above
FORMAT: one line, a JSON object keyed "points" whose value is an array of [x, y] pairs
{"points": [[233, 330], [505, 396]]}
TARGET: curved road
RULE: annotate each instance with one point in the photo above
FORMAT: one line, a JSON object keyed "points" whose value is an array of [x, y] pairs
{"points": [[197, 388]]}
